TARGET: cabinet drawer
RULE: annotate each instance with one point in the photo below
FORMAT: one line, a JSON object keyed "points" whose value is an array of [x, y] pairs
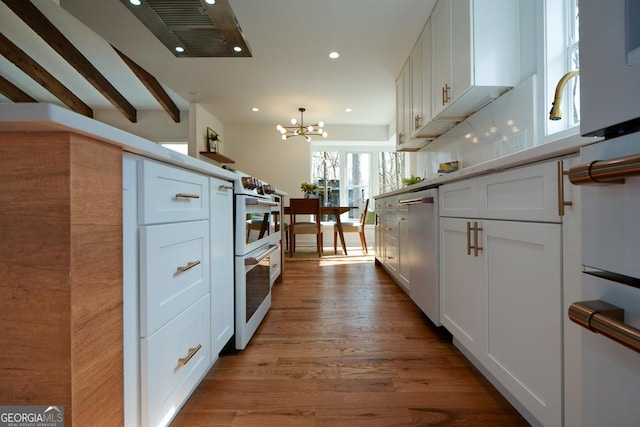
{"points": [[174, 270], [459, 199], [526, 194], [173, 360], [171, 194]]}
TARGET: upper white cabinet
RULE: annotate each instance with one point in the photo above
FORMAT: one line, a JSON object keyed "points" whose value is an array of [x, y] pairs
{"points": [[466, 56], [475, 54]]}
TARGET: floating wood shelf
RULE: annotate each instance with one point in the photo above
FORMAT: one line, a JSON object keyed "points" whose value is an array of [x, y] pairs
{"points": [[217, 157]]}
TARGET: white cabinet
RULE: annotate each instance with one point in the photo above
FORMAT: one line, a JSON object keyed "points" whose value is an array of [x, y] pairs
{"points": [[403, 247], [221, 226], [403, 107], [501, 281], [474, 55], [414, 124], [178, 284]]}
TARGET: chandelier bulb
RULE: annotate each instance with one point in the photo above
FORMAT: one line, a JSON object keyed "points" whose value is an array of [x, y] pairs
{"points": [[279, 127], [325, 134], [284, 137], [320, 124], [307, 138], [310, 128], [294, 121]]}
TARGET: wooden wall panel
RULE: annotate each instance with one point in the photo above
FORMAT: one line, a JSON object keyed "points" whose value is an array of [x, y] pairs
{"points": [[61, 275]]}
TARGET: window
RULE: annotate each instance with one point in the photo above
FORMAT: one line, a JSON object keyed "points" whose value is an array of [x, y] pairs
{"points": [[562, 54], [351, 174]]}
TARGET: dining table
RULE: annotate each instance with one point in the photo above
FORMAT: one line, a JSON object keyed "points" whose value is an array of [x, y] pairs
{"points": [[335, 211]]}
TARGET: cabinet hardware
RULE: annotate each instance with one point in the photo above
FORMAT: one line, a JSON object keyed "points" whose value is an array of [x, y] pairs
{"points": [[605, 171], [446, 95], [561, 201], [189, 266], [477, 246], [416, 123], [606, 319], [192, 352], [400, 138], [187, 196], [468, 238], [225, 187]]}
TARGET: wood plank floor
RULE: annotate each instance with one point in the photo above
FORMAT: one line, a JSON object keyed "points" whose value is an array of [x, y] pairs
{"points": [[345, 346]]}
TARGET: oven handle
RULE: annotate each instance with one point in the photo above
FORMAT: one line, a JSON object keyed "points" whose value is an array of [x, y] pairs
{"points": [[607, 319], [253, 260], [416, 201], [605, 171], [253, 201]]}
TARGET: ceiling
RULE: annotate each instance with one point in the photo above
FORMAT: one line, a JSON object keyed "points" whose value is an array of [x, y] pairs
{"points": [[290, 41]]}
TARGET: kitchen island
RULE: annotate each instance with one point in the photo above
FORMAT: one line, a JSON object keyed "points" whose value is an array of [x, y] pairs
{"points": [[61, 260]]}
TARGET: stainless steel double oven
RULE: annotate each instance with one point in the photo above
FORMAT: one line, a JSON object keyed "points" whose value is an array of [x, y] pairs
{"points": [[257, 252]]}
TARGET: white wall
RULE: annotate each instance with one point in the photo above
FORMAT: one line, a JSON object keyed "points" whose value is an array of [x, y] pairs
{"points": [[155, 125], [260, 151], [199, 120]]}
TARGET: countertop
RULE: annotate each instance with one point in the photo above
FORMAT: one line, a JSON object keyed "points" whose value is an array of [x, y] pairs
{"points": [[550, 150], [43, 117]]}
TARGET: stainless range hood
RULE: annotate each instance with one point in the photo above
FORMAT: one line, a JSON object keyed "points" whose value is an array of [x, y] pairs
{"points": [[201, 29]]}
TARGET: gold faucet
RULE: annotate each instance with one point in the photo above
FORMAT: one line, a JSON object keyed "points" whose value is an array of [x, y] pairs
{"points": [[555, 113]]}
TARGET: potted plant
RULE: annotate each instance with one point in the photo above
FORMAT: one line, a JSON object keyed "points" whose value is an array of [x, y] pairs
{"points": [[309, 190]]}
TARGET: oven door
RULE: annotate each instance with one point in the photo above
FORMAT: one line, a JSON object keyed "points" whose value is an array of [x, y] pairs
{"points": [[609, 359], [257, 221], [253, 292]]}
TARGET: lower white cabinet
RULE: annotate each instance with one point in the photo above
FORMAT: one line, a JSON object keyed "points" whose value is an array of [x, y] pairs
{"points": [[221, 227], [501, 285], [178, 302], [173, 360]]}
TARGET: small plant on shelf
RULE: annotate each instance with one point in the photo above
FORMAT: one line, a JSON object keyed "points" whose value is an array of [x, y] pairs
{"points": [[413, 180]]}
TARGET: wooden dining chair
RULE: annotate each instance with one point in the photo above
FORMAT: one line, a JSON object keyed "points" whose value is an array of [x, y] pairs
{"points": [[353, 227], [296, 226]]}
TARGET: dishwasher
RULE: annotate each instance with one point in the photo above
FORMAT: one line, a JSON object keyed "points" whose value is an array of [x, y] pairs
{"points": [[423, 250]]}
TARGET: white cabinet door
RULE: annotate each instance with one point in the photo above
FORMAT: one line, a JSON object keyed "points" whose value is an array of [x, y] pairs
{"points": [[459, 199], [222, 314], [524, 284], [463, 287], [441, 55], [403, 107], [403, 250]]}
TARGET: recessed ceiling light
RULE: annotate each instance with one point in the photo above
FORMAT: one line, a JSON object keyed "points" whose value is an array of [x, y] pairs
{"points": [[334, 55], [237, 49], [210, 1], [348, 110], [135, 2], [255, 109], [179, 49]]}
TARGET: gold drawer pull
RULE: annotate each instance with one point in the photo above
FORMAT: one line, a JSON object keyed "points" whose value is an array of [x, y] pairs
{"points": [[477, 246], [192, 352], [189, 266], [225, 187], [187, 196], [561, 201]]}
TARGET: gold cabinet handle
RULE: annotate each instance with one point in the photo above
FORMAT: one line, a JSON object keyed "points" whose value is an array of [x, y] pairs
{"points": [[192, 352], [606, 319], [189, 266], [444, 95], [477, 246], [561, 202], [225, 187], [400, 137], [187, 196], [468, 238], [416, 122]]}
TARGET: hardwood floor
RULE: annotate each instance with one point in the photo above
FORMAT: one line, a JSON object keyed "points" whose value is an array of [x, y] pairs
{"points": [[344, 346]]}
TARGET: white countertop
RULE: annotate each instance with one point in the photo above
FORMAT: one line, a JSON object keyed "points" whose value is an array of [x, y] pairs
{"points": [[42, 117], [559, 148]]}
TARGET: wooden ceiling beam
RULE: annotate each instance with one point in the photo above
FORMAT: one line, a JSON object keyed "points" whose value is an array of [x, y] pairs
{"points": [[153, 86], [13, 92], [30, 67], [39, 23]]}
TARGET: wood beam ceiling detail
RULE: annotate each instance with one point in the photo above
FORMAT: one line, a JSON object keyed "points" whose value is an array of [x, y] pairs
{"points": [[13, 92], [39, 23], [30, 67], [153, 86]]}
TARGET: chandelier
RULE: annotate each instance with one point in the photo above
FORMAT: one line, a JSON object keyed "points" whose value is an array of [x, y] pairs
{"points": [[300, 129]]}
